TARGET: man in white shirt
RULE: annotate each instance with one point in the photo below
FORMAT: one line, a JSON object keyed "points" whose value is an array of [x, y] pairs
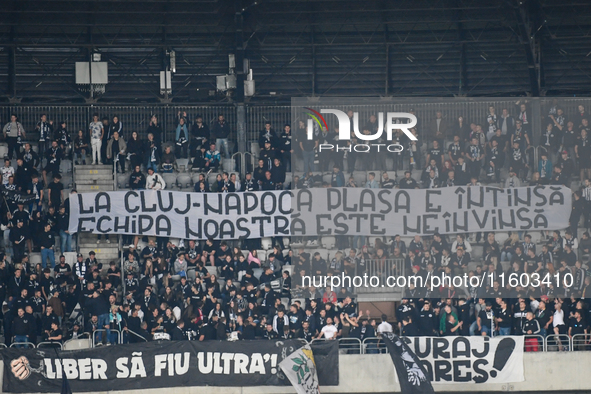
{"points": [[97, 132], [329, 331], [384, 326], [7, 171], [154, 181]]}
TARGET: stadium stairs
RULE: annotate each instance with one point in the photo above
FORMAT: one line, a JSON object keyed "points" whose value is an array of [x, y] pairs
{"points": [[93, 179]]}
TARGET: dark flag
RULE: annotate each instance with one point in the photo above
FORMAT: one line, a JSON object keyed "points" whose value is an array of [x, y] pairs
{"points": [[411, 373], [65, 385]]}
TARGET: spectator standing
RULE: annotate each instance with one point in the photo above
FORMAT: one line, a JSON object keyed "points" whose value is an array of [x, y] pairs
{"points": [[220, 133], [97, 133], [14, 132]]}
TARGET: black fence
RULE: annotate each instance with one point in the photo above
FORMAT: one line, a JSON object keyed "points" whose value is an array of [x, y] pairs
{"points": [[137, 118]]}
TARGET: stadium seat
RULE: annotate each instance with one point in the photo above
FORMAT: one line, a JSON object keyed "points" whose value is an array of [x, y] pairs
{"points": [[211, 178], [3, 150], [78, 344], [212, 270], [327, 177], [257, 272], [228, 165], [170, 180], [359, 177], [123, 181], [34, 259], [66, 166], [183, 181], [254, 148], [67, 180], [267, 243], [182, 164], [287, 179], [262, 255], [328, 242]]}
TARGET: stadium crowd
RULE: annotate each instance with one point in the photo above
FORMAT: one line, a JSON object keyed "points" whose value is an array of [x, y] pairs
{"points": [[184, 289]]}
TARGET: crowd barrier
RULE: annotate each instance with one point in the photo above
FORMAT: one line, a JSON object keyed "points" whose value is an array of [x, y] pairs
{"points": [[374, 345]]}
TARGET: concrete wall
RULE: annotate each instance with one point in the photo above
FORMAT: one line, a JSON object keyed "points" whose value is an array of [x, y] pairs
{"points": [[553, 371]]}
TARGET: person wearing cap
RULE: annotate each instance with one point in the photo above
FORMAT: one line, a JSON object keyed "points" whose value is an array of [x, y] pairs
{"points": [[512, 180]]}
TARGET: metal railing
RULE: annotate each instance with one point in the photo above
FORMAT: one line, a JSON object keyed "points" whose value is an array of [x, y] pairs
{"points": [[382, 269], [350, 345], [50, 344], [100, 332], [135, 334], [137, 117], [373, 345], [561, 342], [23, 344], [534, 343], [581, 342]]}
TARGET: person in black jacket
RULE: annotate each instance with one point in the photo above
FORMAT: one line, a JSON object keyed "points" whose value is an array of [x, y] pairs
{"points": [[278, 174], [46, 241], [199, 135], [249, 184], [135, 150], [155, 130], [220, 133], [18, 236], [21, 327], [178, 333], [137, 179]]}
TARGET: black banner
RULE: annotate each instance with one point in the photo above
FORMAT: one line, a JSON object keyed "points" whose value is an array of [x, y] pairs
{"points": [[411, 373], [17, 197], [162, 364]]}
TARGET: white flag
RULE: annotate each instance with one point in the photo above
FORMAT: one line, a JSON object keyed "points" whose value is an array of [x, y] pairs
{"points": [[300, 369]]}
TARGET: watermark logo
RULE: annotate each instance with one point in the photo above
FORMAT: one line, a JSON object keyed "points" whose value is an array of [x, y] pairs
{"points": [[344, 123]]}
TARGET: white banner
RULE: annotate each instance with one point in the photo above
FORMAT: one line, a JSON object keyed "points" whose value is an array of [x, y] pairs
{"points": [[182, 215], [387, 212], [321, 212], [476, 359]]}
